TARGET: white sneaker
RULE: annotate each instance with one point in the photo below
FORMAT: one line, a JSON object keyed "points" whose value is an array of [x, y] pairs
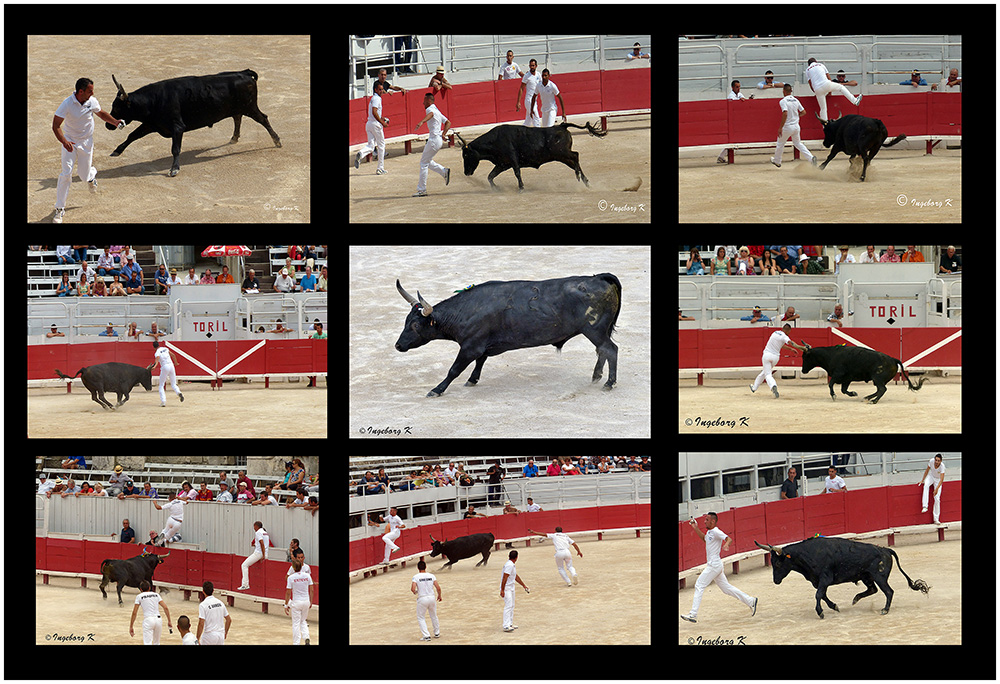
{"points": [[58, 218]]}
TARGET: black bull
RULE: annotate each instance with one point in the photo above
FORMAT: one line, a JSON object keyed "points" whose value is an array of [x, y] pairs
{"points": [[516, 147], [463, 547], [830, 560], [845, 365], [499, 316], [113, 377], [176, 105], [129, 572], [857, 136]]}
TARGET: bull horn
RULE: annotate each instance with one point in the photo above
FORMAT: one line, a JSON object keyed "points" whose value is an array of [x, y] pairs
{"points": [[167, 554], [806, 344], [121, 91], [150, 366], [768, 547], [839, 117], [461, 140], [432, 538], [406, 295], [425, 308]]}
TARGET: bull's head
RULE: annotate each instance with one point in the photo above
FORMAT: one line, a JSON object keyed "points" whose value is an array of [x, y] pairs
{"points": [[469, 156], [435, 547], [830, 129], [811, 359], [420, 327], [781, 562], [121, 107]]}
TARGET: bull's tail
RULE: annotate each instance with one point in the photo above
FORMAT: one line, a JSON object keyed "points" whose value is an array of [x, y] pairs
{"points": [[599, 132], [898, 138], [612, 280], [69, 377], [906, 376], [915, 585], [253, 74]]}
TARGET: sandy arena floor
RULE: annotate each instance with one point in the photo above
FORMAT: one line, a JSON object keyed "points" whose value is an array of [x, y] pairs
{"points": [[786, 613], [249, 182], [609, 605], [613, 164], [902, 186], [285, 410], [804, 406], [66, 614]]}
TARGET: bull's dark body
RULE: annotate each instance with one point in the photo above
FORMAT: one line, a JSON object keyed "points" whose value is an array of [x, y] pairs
{"points": [[463, 547], [499, 316], [177, 105], [516, 147], [128, 572], [115, 377], [845, 365], [857, 136], [829, 560]]}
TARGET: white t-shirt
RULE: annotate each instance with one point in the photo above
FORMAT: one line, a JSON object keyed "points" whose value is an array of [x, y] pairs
{"points": [[793, 107], [935, 473], [436, 121], [835, 484], [213, 612], [78, 125], [531, 82], [713, 545], [163, 354], [509, 71], [261, 536], [509, 569], [299, 583], [376, 103], [561, 541], [817, 74], [547, 96], [425, 584], [776, 341]]}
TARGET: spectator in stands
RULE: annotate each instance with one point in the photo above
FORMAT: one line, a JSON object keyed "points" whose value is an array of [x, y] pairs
{"points": [[530, 470], [890, 256], [173, 280], [321, 283], [71, 488], [645, 466], [65, 288], [266, 498], [495, 473], [837, 317], [834, 483], [57, 487], [148, 491], [532, 506], [74, 462], [129, 490], [735, 94], [133, 282], [844, 257], [45, 485], [769, 82], [116, 288], [99, 490], [288, 474], [250, 284], [602, 465], [785, 261], [568, 467], [204, 494], [191, 278], [64, 255], [187, 492], [442, 480], [225, 278], [790, 487], [744, 262], [100, 289], [127, 535], [694, 264], [637, 53], [241, 476], [106, 263], [308, 282], [283, 282], [553, 468], [916, 80], [54, 332], [869, 257], [471, 513], [160, 280], [85, 489], [207, 278], [118, 479], [438, 81], [720, 264], [912, 255], [155, 332], [279, 327], [225, 496], [83, 289], [950, 262], [508, 509], [244, 495]]}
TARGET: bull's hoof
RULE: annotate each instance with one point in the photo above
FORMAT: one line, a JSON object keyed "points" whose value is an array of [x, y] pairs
{"points": [[608, 386], [434, 393], [116, 153], [173, 172], [834, 606], [821, 616], [885, 611], [470, 383], [277, 143]]}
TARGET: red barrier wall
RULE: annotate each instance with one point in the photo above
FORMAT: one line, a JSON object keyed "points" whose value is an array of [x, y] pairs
{"points": [[792, 520], [487, 102], [713, 122], [741, 347], [267, 578], [371, 550], [271, 356]]}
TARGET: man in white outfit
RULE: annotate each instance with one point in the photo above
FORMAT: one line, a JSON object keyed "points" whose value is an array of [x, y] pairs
{"points": [[564, 559], [435, 120], [424, 584], [546, 93], [261, 542], [374, 129], [772, 354], [933, 477], [713, 571], [394, 525], [529, 83], [507, 591], [77, 111], [821, 84], [789, 127], [168, 372]]}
